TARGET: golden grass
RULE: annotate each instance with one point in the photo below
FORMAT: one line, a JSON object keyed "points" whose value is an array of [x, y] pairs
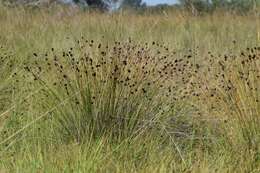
{"points": [[151, 93]]}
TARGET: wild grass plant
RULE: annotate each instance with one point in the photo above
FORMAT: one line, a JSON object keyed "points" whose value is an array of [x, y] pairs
{"points": [[92, 92]]}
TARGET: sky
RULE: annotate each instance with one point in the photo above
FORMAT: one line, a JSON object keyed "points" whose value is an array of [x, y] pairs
{"points": [[154, 2]]}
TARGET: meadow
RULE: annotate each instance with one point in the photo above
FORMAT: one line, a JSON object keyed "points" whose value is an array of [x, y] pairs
{"points": [[84, 91]]}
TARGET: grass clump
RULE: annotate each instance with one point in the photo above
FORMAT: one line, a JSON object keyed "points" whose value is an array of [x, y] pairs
{"points": [[123, 89]]}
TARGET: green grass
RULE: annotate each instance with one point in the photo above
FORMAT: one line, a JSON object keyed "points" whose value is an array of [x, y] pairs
{"points": [[91, 92]]}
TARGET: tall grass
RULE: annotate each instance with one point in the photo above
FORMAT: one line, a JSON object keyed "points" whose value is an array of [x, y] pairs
{"points": [[91, 92], [120, 88]]}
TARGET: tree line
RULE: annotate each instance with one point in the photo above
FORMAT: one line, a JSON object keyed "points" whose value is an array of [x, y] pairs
{"points": [[195, 6], [212, 5]]}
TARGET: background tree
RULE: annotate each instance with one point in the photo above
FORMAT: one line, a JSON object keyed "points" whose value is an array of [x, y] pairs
{"points": [[210, 5], [106, 4], [132, 3], [219, 4], [195, 6], [242, 5], [101, 4]]}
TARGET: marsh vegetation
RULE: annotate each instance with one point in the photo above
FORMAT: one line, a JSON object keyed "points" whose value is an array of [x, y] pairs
{"points": [[124, 92]]}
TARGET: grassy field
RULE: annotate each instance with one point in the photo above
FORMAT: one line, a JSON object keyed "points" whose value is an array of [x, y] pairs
{"points": [[124, 92]]}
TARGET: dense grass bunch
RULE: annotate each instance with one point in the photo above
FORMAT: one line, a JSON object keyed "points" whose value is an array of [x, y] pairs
{"points": [[121, 89], [228, 89]]}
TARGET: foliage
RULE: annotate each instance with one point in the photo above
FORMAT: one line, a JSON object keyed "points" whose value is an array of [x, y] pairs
{"points": [[190, 102], [206, 5], [133, 3]]}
